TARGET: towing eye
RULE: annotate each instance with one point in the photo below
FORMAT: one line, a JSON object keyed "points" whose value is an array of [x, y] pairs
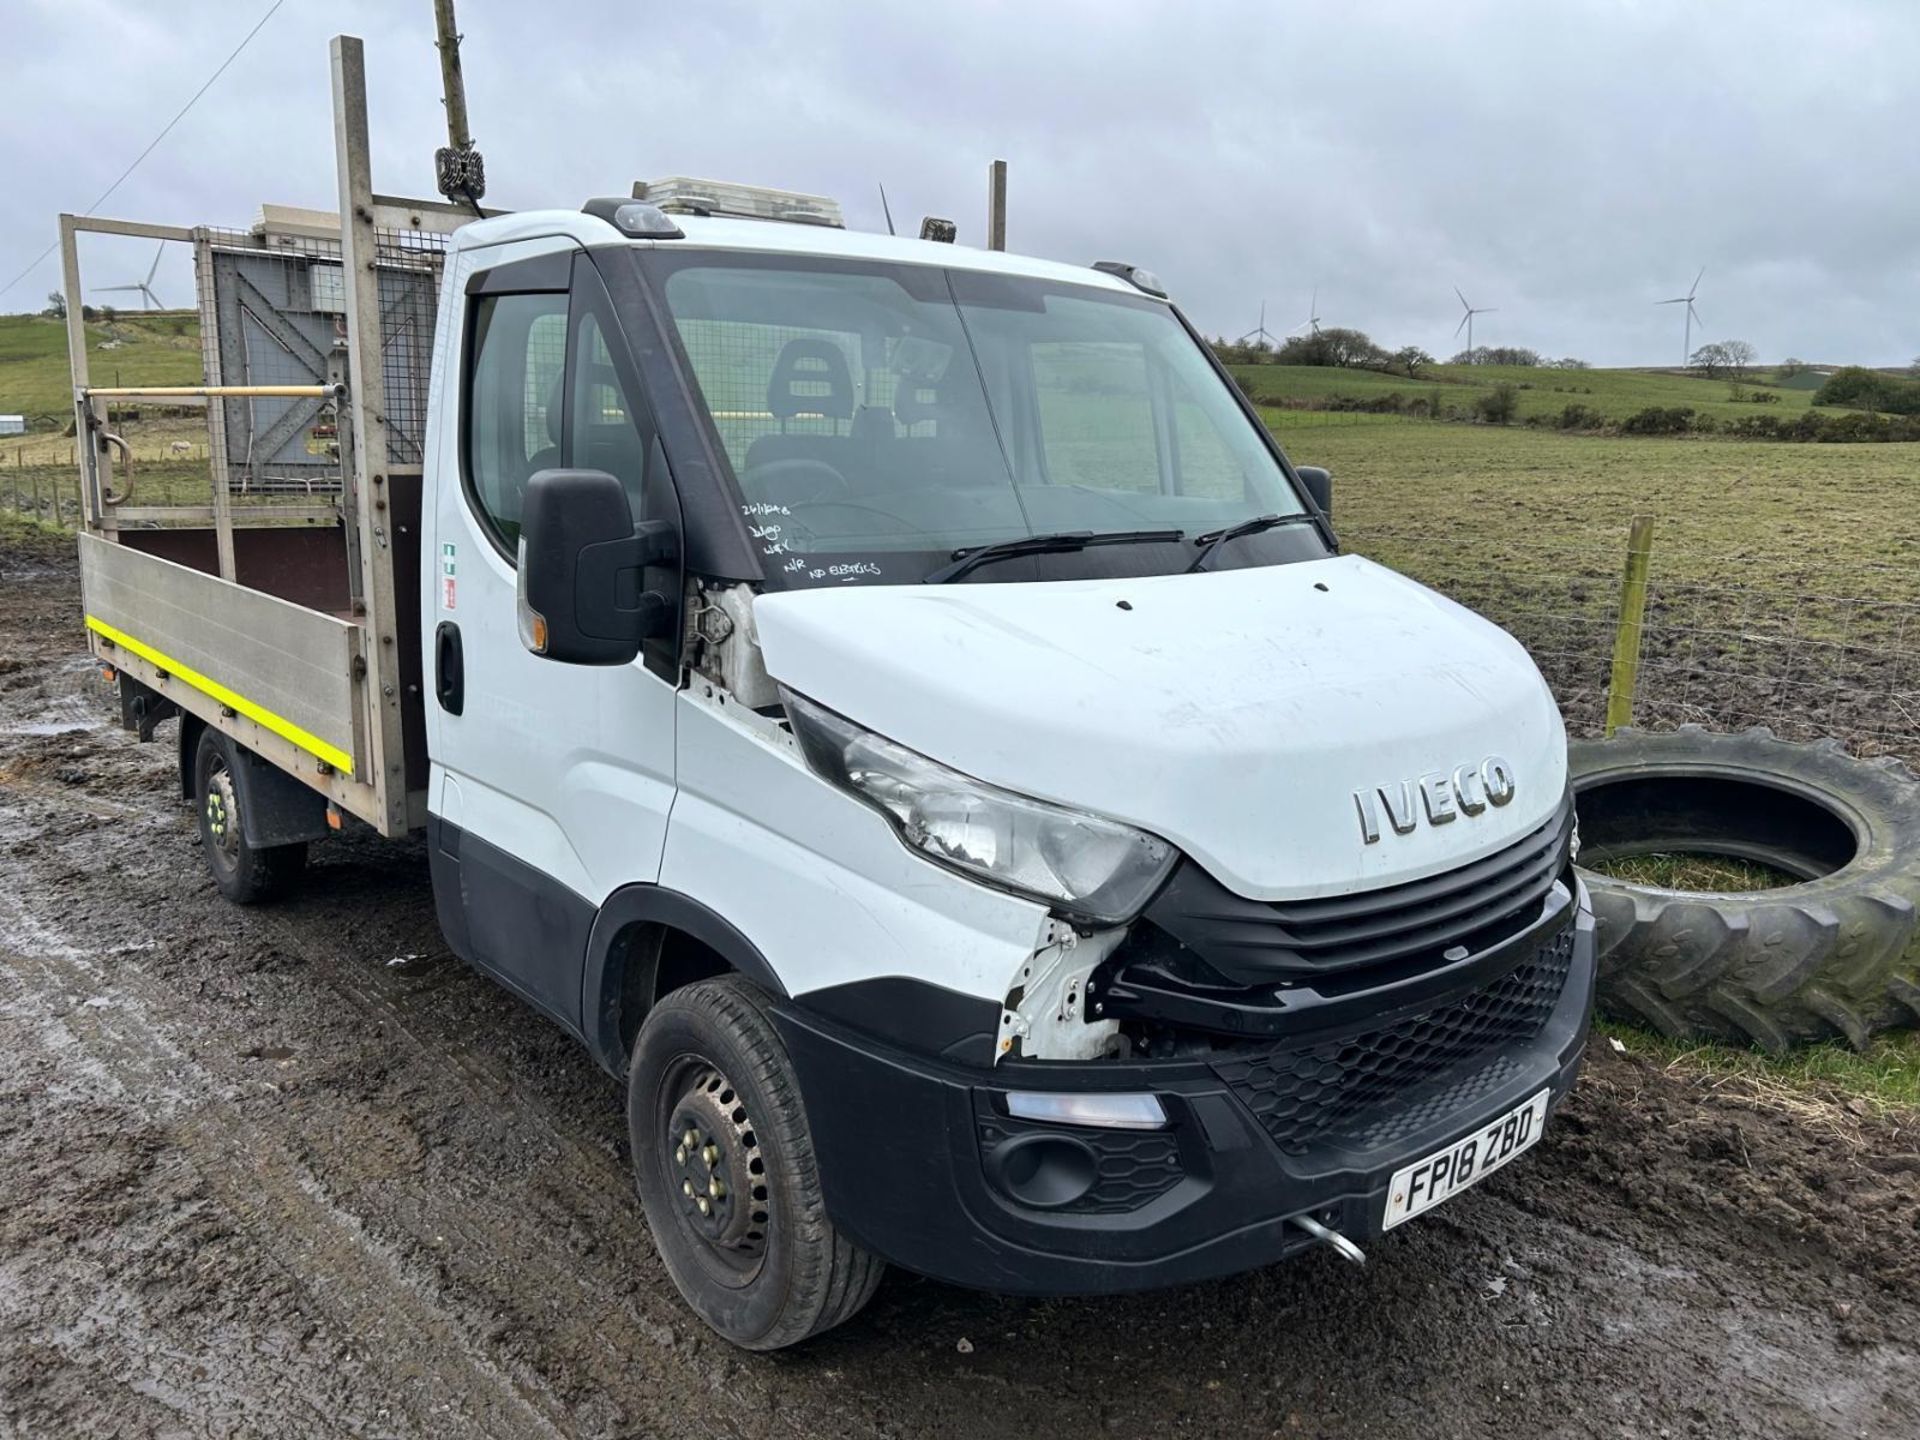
{"points": [[1340, 1244]]}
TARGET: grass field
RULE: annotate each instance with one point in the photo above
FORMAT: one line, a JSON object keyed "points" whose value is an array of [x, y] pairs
{"points": [[1615, 394], [145, 350], [1445, 501]]}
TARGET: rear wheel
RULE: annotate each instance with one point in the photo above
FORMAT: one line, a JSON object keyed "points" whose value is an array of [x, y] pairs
{"points": [[727, 1175], [244, 873]]}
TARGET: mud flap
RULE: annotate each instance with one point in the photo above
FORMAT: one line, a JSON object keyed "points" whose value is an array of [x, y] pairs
{"points": [[275, 808]]}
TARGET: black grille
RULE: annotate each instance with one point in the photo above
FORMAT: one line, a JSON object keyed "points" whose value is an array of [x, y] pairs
{"points": [[1476, 905], [1334, 1091], [1131, 1167]]}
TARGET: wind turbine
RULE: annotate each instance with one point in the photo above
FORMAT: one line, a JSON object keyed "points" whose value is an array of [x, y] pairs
{"points": [[1312, 322], [1466, 321], [148, 300], [1686, 343], [1260, 331]]}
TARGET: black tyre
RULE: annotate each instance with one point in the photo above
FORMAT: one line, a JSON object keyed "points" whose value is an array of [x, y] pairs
{"points": [[1835, 953], [244, 874], [727, 1176]]}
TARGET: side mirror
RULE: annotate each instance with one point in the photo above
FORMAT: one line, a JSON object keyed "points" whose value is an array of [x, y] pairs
{"points": [[1319, 483], [582, 590]]}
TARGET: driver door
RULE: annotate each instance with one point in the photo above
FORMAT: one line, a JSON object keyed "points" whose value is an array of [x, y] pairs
{"points": [[551, 782]]}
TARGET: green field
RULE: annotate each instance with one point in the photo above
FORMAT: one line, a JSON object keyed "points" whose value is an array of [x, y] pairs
{"points": [[160, 349], [1615, 394], [1457, 501]]}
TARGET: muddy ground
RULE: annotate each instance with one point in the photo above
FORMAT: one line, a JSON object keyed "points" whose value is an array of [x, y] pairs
{"points": [[295, 1171]]}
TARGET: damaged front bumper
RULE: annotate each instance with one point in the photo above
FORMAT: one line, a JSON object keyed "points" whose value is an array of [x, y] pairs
{"points": [[923, 1164]]}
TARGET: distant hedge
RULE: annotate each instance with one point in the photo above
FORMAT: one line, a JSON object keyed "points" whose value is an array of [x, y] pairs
{"points": [[1858, 388], [1808, 426]]}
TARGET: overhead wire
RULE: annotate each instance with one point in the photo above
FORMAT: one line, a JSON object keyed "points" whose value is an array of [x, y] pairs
{"points": [[153, 144]]}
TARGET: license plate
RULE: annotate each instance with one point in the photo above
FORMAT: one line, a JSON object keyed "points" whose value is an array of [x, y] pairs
{"points": [[1445, 1173]]}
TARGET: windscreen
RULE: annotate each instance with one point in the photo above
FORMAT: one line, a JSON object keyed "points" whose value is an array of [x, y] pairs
{"points": [[878, 417]]}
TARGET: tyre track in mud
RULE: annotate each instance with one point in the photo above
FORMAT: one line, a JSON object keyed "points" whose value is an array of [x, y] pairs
{"points": [[300, 1189], [268, 1194], [309, 1194]]}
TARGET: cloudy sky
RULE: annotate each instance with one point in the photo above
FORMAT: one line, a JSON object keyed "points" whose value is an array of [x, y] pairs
{"points": [[1566, 161]]}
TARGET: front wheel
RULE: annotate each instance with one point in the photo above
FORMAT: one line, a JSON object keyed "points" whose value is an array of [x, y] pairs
{"points": [[727, 1176], [246, 874]]}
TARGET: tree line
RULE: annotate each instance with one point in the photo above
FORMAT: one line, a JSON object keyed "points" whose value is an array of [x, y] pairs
{"points": [[1339, 347]]}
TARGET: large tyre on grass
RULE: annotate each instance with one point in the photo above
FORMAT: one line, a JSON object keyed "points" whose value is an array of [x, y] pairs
{"points": [[1836, 952], [726, 1172]]}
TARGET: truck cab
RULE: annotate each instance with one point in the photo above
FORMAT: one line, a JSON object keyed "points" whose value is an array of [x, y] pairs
{"points": [[898, 706]]}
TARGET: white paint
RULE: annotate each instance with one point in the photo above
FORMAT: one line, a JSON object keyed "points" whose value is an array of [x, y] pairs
{"points": [[776, 238], [566, 767], [817, 880], [1235, 714]]}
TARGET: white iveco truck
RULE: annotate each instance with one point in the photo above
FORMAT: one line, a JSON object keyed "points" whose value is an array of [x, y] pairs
{"points": [[899, 708]]}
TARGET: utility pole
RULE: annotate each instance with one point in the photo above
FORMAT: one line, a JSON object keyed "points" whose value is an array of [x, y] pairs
{"points": [[997, 205], [461, 173]]}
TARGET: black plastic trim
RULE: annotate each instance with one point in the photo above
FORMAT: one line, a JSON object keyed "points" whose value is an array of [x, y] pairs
{"points": [[603, 982], [922, 1196], [662, 495], [443, 863], [915, 1015], [1256, 941], [517, 923], [1371, 1000], [714, 537], [536, 274]]}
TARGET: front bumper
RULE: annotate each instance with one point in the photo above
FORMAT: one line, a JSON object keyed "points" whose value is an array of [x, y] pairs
{"points": [[921, 1163]]}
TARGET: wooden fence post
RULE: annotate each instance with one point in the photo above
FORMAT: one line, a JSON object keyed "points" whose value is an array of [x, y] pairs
{"points": [[1626, 638]]}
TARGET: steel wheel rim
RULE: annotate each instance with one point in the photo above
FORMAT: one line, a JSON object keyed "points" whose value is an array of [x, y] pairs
{"points": [[221, 809], [714, 1170]]}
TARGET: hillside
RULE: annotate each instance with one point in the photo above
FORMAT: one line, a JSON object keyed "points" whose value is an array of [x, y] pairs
{"points": [[135, 349], [1615, 394]]}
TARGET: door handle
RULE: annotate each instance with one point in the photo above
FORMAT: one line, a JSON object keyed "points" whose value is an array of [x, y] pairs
{"points": [[449, 669]]}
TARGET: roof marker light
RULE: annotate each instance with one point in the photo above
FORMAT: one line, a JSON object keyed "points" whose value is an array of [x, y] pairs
{"points": [[634, 219], [1140, 279]]}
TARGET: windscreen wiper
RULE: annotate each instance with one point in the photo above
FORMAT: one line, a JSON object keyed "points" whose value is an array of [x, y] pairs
{"points": [[965, 560], [1214, 539]]}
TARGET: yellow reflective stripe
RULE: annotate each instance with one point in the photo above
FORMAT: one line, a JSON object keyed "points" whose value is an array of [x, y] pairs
{"points": [[285, 729]]}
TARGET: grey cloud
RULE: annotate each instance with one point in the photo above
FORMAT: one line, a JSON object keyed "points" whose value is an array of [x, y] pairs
{"points": [[1569, 163]]}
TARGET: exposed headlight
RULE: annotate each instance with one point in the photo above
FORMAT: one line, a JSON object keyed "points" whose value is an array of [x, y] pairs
{"points": [[1083, 865]]}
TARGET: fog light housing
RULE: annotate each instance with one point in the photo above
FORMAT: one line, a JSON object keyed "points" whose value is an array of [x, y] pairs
{"points": [[1105, 1110]]}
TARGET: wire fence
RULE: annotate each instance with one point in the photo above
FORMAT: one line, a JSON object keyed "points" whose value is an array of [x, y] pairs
{"points": [[46, 495], [1832, 651]]}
